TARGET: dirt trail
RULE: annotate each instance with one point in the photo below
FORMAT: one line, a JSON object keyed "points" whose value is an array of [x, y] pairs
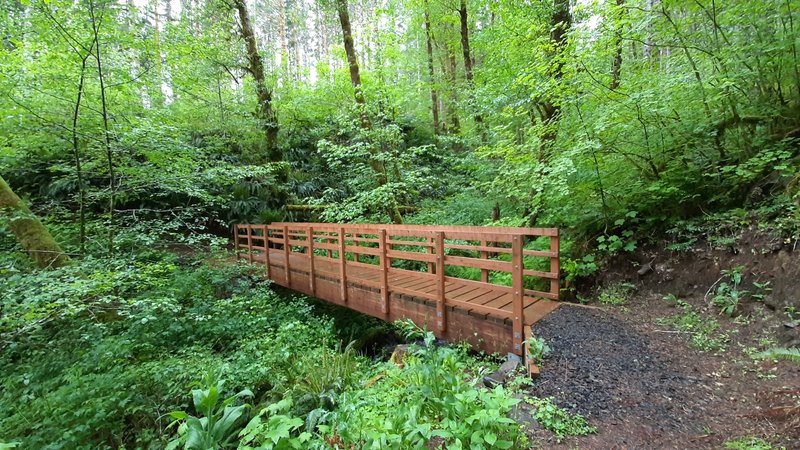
{"points": [[642, 386]]}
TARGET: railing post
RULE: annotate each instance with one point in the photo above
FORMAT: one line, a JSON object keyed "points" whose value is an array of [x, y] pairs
{"points": [[484, 272], [236, 241], [250, 243], [342, 266], [384, 264], [286, 251], [555, 266], [441, 311], [518, 293], [431, 266], [266, 251], [311, 281]]}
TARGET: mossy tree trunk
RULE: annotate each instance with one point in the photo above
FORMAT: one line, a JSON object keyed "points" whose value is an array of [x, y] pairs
{"points": [[29, 231]]}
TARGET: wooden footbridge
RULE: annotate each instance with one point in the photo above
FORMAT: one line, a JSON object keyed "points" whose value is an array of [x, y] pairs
{"points": [[482, 285]]}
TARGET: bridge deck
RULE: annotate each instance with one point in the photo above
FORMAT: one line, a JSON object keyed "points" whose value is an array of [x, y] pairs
{"points": [[463, 283]]}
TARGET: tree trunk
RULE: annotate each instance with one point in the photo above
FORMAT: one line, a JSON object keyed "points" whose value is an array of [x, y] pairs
{"points": [[468, 62], [29, 231], [616, 64], [449, 66], [352, 61], [264, 111], [112, 177], [355, 79], [431, 73], [551, 108]]}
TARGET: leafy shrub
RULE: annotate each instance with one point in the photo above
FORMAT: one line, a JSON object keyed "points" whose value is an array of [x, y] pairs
{"points": [[558, 420], [216, 425], [428, 398]]}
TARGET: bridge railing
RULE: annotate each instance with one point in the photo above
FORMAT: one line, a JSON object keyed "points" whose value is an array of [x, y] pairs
{"points": [[490, 257]]}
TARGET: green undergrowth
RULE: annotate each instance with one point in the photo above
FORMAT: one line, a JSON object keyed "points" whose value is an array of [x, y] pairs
{"points": [[102, 354], [704, 331]]}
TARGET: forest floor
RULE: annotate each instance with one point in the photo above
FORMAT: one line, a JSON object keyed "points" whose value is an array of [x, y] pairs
{"points": [[656, 372], [642, 386]]}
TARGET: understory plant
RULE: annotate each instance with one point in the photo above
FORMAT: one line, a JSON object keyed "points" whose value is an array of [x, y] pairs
{"points": [[429, 400], [217, 420], [729, 293], [558, 420]]}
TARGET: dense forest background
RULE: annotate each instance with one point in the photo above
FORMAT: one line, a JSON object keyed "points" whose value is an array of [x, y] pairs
{"points": [[139, 131]]}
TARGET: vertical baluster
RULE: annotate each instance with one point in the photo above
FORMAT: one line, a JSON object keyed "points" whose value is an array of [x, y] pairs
{"points": [[441, 307], [384, 265], [518, 293], [484, 255], [311, 281], [429, 249], [266, 251], [342, 266], [286, 251], [250, 243], [236, 244], [555, 265]]}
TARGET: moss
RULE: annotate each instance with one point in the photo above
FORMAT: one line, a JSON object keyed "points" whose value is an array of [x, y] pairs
{"points": [[29, 231]]}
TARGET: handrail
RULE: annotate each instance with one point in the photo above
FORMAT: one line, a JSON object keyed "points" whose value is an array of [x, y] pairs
{"points": [[431, 254]]}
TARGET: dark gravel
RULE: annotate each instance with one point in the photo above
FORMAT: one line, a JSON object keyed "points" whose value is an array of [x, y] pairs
{"points": [[602, 368]]}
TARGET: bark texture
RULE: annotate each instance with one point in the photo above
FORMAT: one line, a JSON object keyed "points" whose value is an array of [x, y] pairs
{"points": [[431, 72], [264, 111], [355, 78], [468, 61], [29, 231], [551, 108]]}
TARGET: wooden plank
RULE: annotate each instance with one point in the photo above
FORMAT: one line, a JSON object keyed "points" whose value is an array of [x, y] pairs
{"points": [[286, 251], [414, 293], [479, 248], [342, 267], [441, 311], [411, 256], [363, 250], [236, 241], [518, 294], [550, 254], [541, 294], [540, 274], [459, 290], [311, 283], [250, 244], [555, 266], [384, 264], [431, 246], [537, 310], [489, 264], [481, 309], [496, 287], [484, 255], [266, 253], [413, 273], [425, 243], [454, 228]]}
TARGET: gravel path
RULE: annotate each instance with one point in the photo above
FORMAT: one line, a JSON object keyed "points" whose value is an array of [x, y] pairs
{"points": [[603, 369]]}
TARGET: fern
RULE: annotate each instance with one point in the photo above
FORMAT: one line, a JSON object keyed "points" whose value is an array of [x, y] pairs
{"points": [[792, 354]]}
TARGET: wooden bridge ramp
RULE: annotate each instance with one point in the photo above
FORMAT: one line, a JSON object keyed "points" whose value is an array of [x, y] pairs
{"points": [[482, 285]]}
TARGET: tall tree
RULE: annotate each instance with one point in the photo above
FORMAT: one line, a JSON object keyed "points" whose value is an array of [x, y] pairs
{"points": [[361, 103], [468, 60], [29, 231], [265, 113], [616, 63], [561, 21], [431, 72]]}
